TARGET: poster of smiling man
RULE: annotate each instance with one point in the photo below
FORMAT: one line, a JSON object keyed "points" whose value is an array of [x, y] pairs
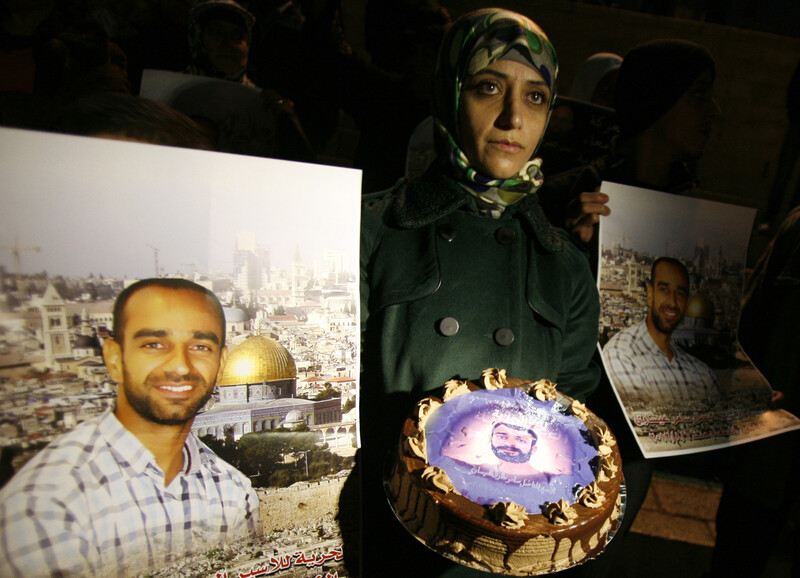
{"points": [[178, 360], [671, 274]]}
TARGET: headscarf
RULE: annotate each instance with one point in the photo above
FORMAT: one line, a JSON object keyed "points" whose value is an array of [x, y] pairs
{"points": [[475, 41], [653, 77], [202, 11]]}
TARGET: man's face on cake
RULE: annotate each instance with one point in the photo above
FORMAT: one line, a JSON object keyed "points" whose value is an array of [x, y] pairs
{"points": [[512, 443]]}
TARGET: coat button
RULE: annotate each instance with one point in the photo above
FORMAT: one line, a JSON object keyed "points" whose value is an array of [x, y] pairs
{"points": [[504, 337], [505, 235], [446, 231], [448, 326]]}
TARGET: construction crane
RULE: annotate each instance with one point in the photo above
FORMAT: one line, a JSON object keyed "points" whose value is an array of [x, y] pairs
{"points": [[155, 259], [16, 251]]}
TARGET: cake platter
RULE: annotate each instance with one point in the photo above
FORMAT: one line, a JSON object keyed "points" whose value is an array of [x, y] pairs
{"points": [[476, 467]]}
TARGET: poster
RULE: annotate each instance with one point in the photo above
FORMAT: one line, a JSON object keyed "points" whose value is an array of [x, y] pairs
{"points": [[670, 276], [277, 243]]}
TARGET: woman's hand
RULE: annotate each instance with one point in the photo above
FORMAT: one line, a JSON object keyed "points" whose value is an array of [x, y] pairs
{"points": [[583, 212]]}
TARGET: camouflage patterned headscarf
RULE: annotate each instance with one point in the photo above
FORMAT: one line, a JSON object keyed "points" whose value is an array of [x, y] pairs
{"points": [[475, 41]]}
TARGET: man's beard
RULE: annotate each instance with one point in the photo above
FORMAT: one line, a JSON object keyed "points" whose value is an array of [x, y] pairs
{"points": [[664, 326], [146, 406], [511, 454]]}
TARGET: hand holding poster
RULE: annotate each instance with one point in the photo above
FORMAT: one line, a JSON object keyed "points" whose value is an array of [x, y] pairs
{"points": [[670, 302]]}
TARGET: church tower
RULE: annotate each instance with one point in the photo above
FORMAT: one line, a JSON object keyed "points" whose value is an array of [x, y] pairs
{"points": [[55, 326]]}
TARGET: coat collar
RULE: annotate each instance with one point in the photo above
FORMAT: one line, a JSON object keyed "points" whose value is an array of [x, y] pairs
{"points": [[434, 195]]}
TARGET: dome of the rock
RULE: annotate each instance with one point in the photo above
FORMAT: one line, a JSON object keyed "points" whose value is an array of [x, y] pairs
{"points": [[256, 360]]}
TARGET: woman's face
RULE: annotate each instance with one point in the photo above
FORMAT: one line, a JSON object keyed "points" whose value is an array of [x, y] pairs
{"points": [[502, 116]]}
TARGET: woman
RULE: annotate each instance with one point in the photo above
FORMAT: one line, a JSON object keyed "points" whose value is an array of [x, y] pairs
{"points": [[460, 269]]}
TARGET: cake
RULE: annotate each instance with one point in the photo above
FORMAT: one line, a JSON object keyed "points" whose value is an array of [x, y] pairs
{"points": [[507, 476]]}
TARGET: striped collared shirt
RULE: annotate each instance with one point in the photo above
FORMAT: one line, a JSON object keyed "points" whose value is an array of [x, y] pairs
{"points": [[94, 502], [640, 371]]}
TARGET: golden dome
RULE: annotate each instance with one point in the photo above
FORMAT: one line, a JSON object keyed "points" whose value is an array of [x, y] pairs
{"points": [[258, 359], [700, 306]]}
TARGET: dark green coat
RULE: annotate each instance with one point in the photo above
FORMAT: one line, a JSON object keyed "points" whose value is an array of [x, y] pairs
{"points": [[447, 292], [427, 255]]}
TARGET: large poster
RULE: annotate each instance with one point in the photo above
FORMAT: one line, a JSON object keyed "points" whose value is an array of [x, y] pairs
{"points": [[671, 277], [275, 241]]}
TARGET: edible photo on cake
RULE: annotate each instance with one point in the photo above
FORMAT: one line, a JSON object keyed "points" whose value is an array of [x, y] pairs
{"points": [[671, 274], [502, 446]]}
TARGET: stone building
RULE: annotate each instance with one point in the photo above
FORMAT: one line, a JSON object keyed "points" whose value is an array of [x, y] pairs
{"points": [[258, 391]]}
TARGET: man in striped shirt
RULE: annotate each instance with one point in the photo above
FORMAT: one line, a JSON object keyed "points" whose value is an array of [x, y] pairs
{"points": [[134, 489], [642, 361]]}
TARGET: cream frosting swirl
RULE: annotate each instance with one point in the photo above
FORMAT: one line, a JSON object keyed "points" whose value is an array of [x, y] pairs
{"points": [[454, 388], [559, 513], [508, 515], [605, 435], [608, 468], [591, 496], [579, 410], [494, 378], [451, 545], [415, 445], [436, 479], [425, 408], [606, 440], [544, 390]]}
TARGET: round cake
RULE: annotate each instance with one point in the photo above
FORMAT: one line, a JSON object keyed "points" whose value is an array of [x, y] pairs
{"points": [[508, 476]]}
